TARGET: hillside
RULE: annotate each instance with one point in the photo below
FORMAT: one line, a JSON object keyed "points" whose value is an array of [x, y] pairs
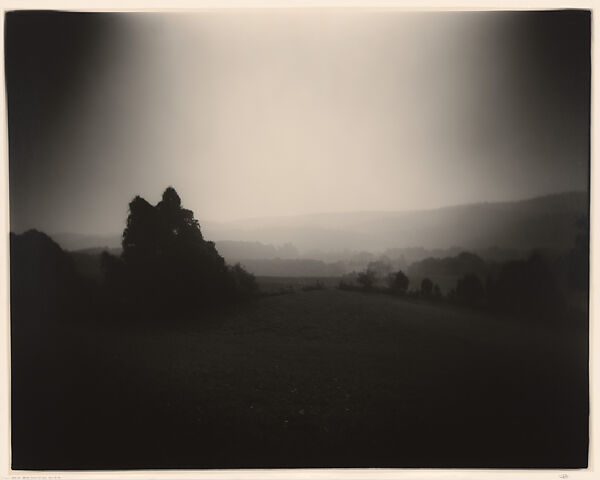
{"points": [[539, 222]]}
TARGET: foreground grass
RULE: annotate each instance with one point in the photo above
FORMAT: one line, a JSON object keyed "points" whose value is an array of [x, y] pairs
{"points": [[323, 378]]}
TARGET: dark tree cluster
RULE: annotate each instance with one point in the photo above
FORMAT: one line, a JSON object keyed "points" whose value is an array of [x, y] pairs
{"points": [[165, 266], [43, 281], [527, 287], [542, 287], [537, 288], [166, 262]]}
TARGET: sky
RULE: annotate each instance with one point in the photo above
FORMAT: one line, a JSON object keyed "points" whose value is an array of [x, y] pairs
{"points": [[257, 113]]}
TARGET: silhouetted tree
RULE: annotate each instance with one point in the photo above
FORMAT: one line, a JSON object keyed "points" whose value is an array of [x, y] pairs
{"points": [[426, 287], [398, 282], [166, 262], [437, 291]]}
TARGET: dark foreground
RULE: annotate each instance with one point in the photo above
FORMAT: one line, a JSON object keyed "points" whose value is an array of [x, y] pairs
{"points": [[322, 378]]}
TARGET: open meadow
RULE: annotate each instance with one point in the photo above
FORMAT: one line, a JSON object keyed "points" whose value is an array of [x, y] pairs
{"points": [[316, 378]]}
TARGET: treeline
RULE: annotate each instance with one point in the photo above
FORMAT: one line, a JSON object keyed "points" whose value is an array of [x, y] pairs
{"points": [[166, 267], [285, 260], [541, 286]]}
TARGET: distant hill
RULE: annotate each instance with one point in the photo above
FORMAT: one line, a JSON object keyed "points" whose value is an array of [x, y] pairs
{"points": [[90, 243], [547, 222]]}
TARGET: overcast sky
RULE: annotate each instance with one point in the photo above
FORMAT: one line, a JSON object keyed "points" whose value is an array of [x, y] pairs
{"points": [[263, 113]]}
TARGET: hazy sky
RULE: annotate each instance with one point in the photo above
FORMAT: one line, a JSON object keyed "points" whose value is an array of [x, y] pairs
{"points": [[266, 112]]}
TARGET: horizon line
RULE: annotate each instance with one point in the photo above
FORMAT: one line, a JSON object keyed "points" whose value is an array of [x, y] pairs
{"points": [[344, 212]]}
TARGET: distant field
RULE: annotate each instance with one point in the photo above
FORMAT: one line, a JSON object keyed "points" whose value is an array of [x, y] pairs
{"points": [[274, 285], [322, 378]]}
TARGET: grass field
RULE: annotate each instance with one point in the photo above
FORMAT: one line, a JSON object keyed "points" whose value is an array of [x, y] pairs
{"points": [[323, 378]]}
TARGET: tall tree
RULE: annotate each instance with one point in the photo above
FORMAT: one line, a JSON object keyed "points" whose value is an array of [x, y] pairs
{"points": [[167, 262]]}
